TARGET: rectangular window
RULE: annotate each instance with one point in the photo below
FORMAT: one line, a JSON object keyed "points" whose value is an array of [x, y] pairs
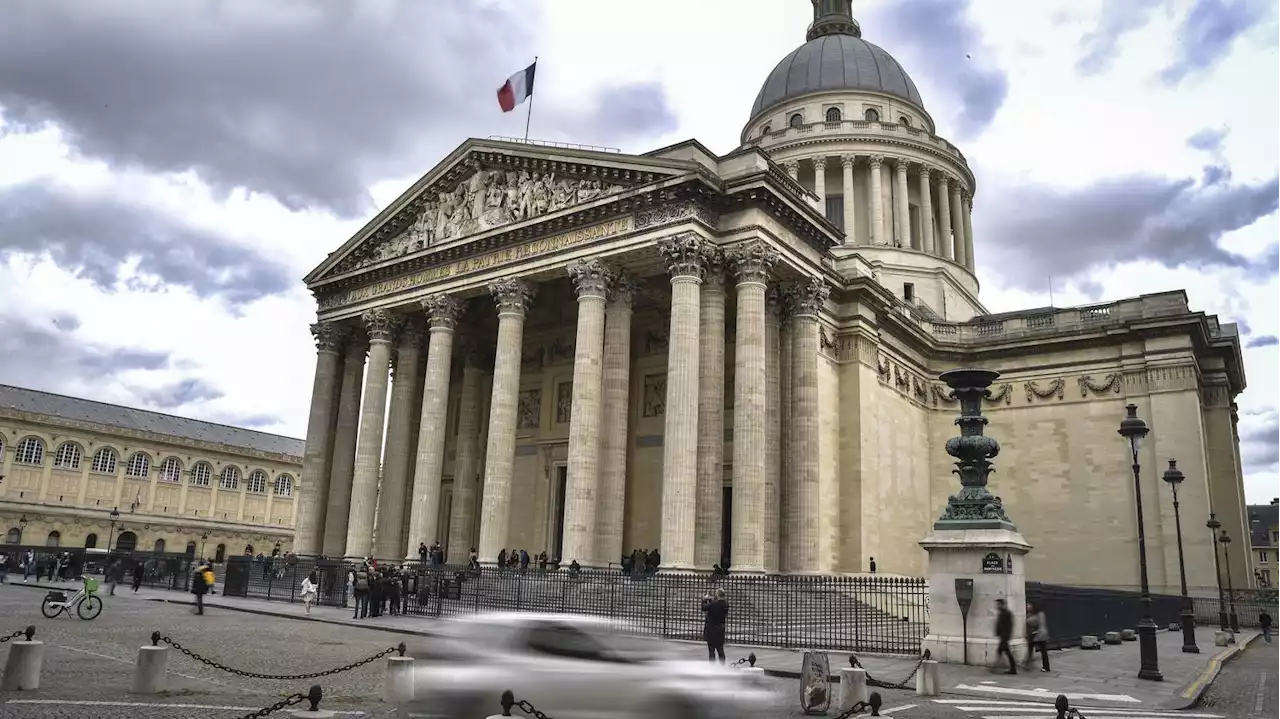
{"points": [[908, 292], [1262, 557], [1265, 576], [835, 210]]}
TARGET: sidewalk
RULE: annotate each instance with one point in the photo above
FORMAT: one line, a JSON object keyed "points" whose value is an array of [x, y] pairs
{"points": [[1105, 676]]}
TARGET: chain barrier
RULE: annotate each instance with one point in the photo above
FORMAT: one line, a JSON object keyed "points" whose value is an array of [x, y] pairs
{"points": [[29, 632], [872, 706], [156, 637], [882, 684], [1065, 710], [313, 695], [510, 702], [750, 659]]}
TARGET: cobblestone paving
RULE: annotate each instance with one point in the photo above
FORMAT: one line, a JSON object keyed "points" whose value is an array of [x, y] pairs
{"points": [[1246, 686]]}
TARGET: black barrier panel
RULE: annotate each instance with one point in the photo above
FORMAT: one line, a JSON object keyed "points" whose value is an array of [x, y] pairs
{"points": [[1073, 612], [236, 581]]}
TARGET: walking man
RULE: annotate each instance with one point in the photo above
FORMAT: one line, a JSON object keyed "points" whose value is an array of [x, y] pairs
{"points": [[1264, 620], [1004, 632]]}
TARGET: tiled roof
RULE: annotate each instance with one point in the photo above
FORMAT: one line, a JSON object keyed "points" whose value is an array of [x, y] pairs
{"points": [[113, 415], [1262, 518]]}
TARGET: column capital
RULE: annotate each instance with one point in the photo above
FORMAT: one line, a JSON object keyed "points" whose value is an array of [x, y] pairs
{"points": [[810, 295], [965, 196], [926, 170], [714, 262], [329, 336], [820, 163], [752, 261], [901, 164], [792, 166], [685, 254], [848, 160], [443, 311], [512, 295], [381, 325], [876, 161], [590, 278], [776, 303], [943, 179], [622, 289]]}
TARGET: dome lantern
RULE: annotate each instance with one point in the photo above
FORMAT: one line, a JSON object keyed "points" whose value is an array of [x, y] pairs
{"points": [[833, 17]]}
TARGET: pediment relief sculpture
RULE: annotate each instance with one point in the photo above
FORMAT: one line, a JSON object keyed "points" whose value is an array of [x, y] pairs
{"points": [[487, 199]]}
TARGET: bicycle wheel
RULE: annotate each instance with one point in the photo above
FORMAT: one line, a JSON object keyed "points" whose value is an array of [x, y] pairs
{"points": [[89, 607], [50, 608]]}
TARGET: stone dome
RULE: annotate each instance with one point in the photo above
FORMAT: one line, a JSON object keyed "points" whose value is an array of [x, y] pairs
{"points": [[835, 62]]}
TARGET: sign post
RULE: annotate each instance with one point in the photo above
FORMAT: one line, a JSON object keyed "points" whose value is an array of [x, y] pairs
{"points": [[964, 596]]}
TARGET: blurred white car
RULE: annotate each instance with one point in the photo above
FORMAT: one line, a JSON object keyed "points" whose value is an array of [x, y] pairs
{"points": [[568, 667]]}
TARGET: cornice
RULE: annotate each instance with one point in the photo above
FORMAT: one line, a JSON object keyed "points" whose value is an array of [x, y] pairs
{"points": [[39, 512]]}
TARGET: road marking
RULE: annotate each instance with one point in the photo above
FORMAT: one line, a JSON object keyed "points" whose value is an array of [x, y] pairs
{"points": [[1049, 695], [904, 707], [1258, 703], [80, 703], [998, 709]]}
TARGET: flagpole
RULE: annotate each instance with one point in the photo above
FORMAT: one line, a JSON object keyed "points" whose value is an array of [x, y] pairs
{"points": [[528, 117]]}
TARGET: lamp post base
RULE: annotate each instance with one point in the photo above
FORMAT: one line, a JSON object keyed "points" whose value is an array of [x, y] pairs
{"points": [[1188, 621], [1235, 623], [1150, 663]]}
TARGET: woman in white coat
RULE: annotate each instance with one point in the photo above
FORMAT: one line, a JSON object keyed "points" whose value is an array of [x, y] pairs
{"points": [[310, 586]]}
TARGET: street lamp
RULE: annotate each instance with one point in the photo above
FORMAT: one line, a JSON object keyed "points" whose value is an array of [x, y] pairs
{"points": [[115, 517], [1187, 618], [1213, 524], [1231, 600], [1134, 430], [22, 527], [204, 537]]}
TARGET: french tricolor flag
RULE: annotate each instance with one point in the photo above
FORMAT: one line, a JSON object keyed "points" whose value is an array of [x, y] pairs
{"points": [[517, 88]]}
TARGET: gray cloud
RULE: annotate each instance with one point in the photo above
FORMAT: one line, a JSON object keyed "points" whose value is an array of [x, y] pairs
{"points": [[1207, 33], [66, 322], [246, 420], [1038, 230], [44, 356], [95, 235], [936, 40], [1263, 341], [636, 110], [1260, 440], [1116, 19], [309, 101], [176, 394], [1209, 139]]}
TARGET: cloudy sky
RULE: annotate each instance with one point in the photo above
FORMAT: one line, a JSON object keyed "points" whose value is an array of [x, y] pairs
{"points": [[166, 178]]}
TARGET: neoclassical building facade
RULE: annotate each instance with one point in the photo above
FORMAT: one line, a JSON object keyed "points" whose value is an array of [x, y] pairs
{"points": [[177, 484], [734, 358]]}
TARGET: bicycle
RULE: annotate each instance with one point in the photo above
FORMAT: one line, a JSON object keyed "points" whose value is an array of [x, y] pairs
{"points": [[86, 601]]}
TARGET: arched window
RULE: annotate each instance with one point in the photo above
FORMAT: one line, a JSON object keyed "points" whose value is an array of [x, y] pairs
{"points": [[220, 554], [159, 546], [796, 120], [13, 536], [230, 478], [171, 470], [284, 486], [257, 482], [200, 474], [139, 466], [871, 115], [833, 114], [1, 446], [126, 542], [91, 541], [53, 539], [904, 121], [30, 451], [67, 456], [104, 461], [765, 130]]}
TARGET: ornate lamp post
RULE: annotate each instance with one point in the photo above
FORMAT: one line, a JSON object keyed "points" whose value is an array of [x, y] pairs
{"points": [[22, 527], [1187, 618], [115, 517], [1231, 590], [204, 537], [1134, 430], [1213, 524]]}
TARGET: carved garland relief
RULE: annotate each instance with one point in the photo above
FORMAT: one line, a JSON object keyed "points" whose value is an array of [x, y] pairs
{"points": [[529, 409], [654, 395]]}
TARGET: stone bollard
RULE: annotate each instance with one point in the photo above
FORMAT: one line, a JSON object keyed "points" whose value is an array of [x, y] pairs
{"points": [[22, 668], [151, 672], [1220, 639], [853, 687], [1090, 641], [1175, 627], [398, 685], [1112, 637], [754, 674], [1128, 635], [508, 701], [927, 679], [314, 712]]}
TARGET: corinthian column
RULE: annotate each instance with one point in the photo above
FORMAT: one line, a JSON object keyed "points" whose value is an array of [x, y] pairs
{"points": [[820, 183], [707, 545], [786, 304], [944, 218], [381, 326], [466, 459], [512, 297], [344, 446], [877, 201], [685, 255], [582, 482], [926, 209], [902, 207], [793, 169], [397, 463], [802, 483], [772, 428], [309, 516], [613, 419], [957, 227], [846, 178], [966, 207], [424, 514], [751, 264]]}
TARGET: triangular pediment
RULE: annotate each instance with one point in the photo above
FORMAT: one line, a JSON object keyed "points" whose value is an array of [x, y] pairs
{"points": [[487, 185]]}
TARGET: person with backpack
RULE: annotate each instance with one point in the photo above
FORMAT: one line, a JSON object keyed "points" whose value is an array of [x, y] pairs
{"points": [[200, 584], [360, 590]]}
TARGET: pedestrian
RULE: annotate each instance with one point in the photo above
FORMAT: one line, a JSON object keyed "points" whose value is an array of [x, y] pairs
{"points": [[1004, 632], [360, 590], [715, 609], [873, 565], [1037, 637], [139, 570], [310, 585], [4, 568], [200, 584], [1264, 621], [112, 576], [29, 566]]}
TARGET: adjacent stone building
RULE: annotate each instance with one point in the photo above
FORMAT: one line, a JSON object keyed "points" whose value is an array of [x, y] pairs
{"points": [[1264, 542], [178, 484], [732, 358]]}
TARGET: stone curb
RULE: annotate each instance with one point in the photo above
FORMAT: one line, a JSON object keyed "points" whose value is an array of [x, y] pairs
{"points": [[1191, 694]]}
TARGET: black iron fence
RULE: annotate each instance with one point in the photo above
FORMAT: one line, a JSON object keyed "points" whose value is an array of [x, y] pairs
{"points": [[165, 570]]}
